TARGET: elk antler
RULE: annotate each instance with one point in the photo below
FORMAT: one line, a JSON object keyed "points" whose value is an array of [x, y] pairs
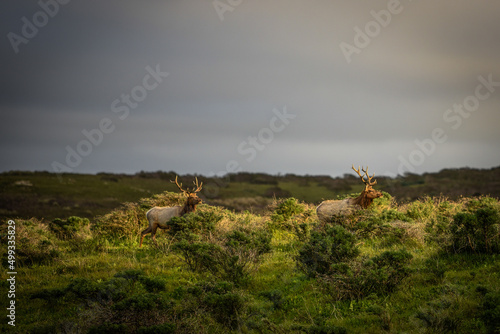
{"points": [[187, 192], [198, 187], [179, 186], [370, 183], [366, 182]]}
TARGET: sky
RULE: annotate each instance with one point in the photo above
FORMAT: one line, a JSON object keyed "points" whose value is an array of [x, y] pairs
{"points": [[216, 87]]}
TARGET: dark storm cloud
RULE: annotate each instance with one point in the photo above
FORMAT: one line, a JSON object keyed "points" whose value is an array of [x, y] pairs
{"points": [[226, 77]]}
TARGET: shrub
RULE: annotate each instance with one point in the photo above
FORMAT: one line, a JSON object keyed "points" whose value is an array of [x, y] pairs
{"points": [[383, 273], [197, 255], [122, 299], [483, 203], [421, 209], [108, 328], [491, 311], [285, 209], [35, 244], [276, 297], [193, 224], [73, 227], [118, 287], [142, 302], [476, 232], [332, 245], [130, 274], [379, 275], [158, 329], [124, 223], [219, 299], [153, 284], [437, 229], [231, 256], [390, 215], [325, 329]]}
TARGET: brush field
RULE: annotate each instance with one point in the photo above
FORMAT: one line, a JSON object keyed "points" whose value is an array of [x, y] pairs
{"points": [[424, 265]]}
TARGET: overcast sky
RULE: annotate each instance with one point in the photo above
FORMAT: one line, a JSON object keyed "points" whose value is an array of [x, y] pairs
{"points": [[209, 87]]}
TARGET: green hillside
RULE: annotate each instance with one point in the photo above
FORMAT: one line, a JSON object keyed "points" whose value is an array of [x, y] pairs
{"points": [[425, 266]]}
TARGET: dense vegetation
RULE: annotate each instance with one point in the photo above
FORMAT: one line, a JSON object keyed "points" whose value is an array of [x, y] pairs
{"points": [[425, 266]]}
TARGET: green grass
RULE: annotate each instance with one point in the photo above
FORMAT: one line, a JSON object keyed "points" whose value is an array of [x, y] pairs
{"points": [[74, 282], [445, 291]]}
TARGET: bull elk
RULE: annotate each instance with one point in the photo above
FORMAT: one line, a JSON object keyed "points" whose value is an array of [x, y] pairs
{"points": [[160, 216], [327, 209]]}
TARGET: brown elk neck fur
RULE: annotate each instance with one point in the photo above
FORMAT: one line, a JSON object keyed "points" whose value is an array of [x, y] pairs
{"points": [[362, 200], [190, 206]]}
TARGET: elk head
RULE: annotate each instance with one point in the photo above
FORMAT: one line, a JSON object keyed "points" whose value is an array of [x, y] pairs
{"points": [[192, 199], [368, 194]]}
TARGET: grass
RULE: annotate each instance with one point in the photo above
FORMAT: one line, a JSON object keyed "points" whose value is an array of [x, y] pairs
{"points": [[72, 278]]}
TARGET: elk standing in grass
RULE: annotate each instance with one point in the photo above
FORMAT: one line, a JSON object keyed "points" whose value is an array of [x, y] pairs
{"points": [[160, 216], [328, 209]]}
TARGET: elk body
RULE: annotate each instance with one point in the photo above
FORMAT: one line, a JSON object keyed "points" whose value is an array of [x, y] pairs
{"points": [[158, 217], [330, 208]]}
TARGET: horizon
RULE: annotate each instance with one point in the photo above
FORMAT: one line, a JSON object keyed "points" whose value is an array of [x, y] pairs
{"points": [[243, 172]]}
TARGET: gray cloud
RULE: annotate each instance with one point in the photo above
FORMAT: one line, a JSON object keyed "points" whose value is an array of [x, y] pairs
{"points": [[226, 77]]}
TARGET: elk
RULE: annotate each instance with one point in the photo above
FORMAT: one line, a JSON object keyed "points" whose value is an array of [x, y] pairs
{"points": [[160, 216], [327, 209]]}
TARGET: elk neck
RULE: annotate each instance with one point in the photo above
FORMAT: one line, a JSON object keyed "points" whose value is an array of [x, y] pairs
{"points": [[363, 200], [190, 206]]}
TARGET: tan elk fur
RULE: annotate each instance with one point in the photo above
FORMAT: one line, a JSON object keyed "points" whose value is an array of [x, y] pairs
{"points": [[330, 208], [158, 217]]}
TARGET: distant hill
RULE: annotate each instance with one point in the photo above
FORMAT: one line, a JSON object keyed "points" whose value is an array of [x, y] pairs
{"points": [[47, 195]]}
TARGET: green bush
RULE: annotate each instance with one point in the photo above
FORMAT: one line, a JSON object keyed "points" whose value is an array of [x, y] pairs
{"points": [[108, 328], [130, 274], [285, 209], [325, 329], [491, 312], [422, 209], [378, 275], [197, 255], [276, 297], [325, 248], [437, 229], [193, 224], [152, 284], [476, 232], [221, 301], [35, 244], [390, 215], [71, 227], [158, 329], [231, 256], [129, 297], [115, 289], [383, 273], [124, 223], [143, 302], [483, 203]]}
